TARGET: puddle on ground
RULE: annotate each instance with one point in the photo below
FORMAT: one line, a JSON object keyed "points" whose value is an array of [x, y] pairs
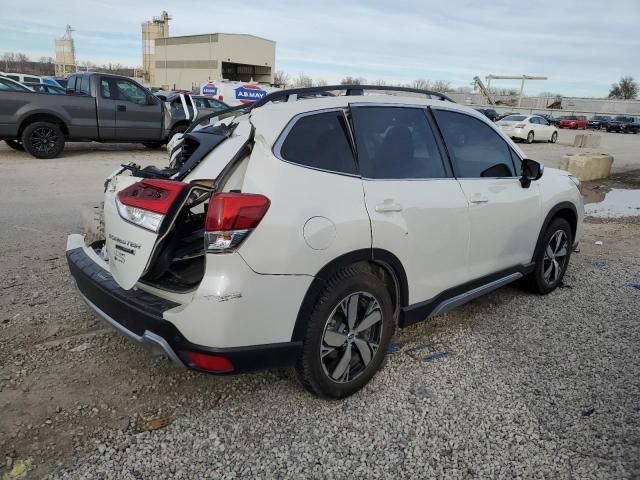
{"points": [[612, 202]]}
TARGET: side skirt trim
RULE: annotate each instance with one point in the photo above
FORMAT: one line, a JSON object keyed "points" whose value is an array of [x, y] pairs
{"points": [[454, 297]]}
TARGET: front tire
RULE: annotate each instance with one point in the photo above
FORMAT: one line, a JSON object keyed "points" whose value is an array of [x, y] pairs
{"points": [[347, 334], [554, 137], [552, 258], [43, 140], [15, 144], [530, 137]]}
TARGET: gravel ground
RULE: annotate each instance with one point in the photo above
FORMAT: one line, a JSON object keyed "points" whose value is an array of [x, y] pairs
{"points": [[510, 385]]}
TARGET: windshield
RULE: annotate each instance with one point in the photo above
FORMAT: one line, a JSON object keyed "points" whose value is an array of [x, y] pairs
{"points": [[570, 117], [514, 118], [621, 119]]}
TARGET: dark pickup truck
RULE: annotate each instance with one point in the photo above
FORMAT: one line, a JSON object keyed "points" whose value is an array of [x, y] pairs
{"points": [[624, 124], [96, 107]]}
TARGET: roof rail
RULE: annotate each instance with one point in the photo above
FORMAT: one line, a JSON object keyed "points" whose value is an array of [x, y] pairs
{"points": [[349, 89], [303, 92]]}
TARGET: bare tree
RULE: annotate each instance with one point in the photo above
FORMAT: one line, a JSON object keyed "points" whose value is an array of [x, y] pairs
{"points": [[353, 81], [625, 89], [303, 80], [281, 78], [421, 84], [380, 83], [441, 86], [322, 83]]}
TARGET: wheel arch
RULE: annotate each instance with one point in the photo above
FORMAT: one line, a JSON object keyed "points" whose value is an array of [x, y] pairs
{"points": [[566, 210], [43, 117], [388, 265]]}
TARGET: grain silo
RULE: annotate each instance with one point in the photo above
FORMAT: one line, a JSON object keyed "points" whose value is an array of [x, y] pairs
{"points": [[158, 27], [65, 54]]}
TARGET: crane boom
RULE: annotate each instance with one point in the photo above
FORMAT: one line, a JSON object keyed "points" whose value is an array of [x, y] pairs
{"points": [[484, 90]]}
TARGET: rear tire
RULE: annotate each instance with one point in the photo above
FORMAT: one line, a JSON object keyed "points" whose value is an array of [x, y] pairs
{"points": [[552, 258], [43, 140], [347, 334], [554, 137], [530, 137]]}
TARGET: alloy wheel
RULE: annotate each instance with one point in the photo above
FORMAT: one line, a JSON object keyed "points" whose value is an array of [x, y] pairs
{"points": [[555, 256], [351, 337], [44, 140]]}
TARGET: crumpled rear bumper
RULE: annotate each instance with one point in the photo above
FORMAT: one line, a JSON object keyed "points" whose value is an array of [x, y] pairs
{"points": [[139, 315]]}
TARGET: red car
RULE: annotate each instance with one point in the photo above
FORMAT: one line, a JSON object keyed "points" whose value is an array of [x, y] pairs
{"points": [[573, 121]]}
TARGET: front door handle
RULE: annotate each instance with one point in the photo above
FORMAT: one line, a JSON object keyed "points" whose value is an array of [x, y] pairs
{"points": [[122, 108], [388, 205], [479, 199]]}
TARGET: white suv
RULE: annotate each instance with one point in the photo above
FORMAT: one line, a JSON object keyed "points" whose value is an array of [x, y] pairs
{"points": [[303, 229]]}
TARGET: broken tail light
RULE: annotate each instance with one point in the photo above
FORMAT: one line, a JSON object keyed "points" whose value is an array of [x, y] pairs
{"points": [[146, 203], [231, 217]]}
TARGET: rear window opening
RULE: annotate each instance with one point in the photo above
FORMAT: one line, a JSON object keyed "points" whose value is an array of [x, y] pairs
{"points": [[179, 262]]}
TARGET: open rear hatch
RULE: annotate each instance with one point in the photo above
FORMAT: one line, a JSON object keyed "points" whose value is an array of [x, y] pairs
{"points": [[142, 217], [154, 220]]}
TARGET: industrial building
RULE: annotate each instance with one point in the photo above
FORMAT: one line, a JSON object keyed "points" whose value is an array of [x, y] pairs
{"points": [[187, 61]]}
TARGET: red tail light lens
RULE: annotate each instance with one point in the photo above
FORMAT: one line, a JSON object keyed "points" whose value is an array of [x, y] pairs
{"points": [[151, 195], [234, 211], [209, 362], [231, 217], [520, 125], [146, 203]]}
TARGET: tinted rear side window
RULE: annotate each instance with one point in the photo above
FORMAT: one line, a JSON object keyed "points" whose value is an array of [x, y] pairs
{"points": [[84, 85], [396, 143], [475, 148], [320, 140]]}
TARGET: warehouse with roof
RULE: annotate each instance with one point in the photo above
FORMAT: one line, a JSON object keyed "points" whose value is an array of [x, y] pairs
{"points": [[187, 61]]}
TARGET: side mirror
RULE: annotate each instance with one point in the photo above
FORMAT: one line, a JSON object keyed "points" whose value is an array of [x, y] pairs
{"points": [[531, 171]]}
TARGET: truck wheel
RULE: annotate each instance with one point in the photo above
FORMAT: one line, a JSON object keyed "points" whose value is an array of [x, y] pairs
{"points": [[347, 334], [43, 140], [15, 144], [153, 145]]}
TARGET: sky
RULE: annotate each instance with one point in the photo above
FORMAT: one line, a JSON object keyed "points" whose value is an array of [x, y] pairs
{"points": [[583, 46]]}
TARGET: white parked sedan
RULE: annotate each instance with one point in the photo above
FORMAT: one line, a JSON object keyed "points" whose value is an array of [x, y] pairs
{"points": [[529, 128]]}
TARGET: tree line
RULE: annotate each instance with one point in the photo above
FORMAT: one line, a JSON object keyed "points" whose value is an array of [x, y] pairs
{"points": [[17, 62]]}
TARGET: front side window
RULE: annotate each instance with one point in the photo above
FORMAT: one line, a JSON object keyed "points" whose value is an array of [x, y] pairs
{"points": [[320, 140], [130, 92], [396, 143], [476, 150], [32, 79]]}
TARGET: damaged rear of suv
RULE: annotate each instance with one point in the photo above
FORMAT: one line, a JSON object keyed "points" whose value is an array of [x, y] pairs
{"points": [[302, 229]]}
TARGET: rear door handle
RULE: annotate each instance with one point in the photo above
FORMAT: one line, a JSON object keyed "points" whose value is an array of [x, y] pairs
{"points": [[122, 108], [388, 206], [479, 199]]}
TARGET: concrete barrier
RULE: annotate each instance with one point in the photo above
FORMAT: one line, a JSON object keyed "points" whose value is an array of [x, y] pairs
{"points": [[587, 166], [587, 140]]}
